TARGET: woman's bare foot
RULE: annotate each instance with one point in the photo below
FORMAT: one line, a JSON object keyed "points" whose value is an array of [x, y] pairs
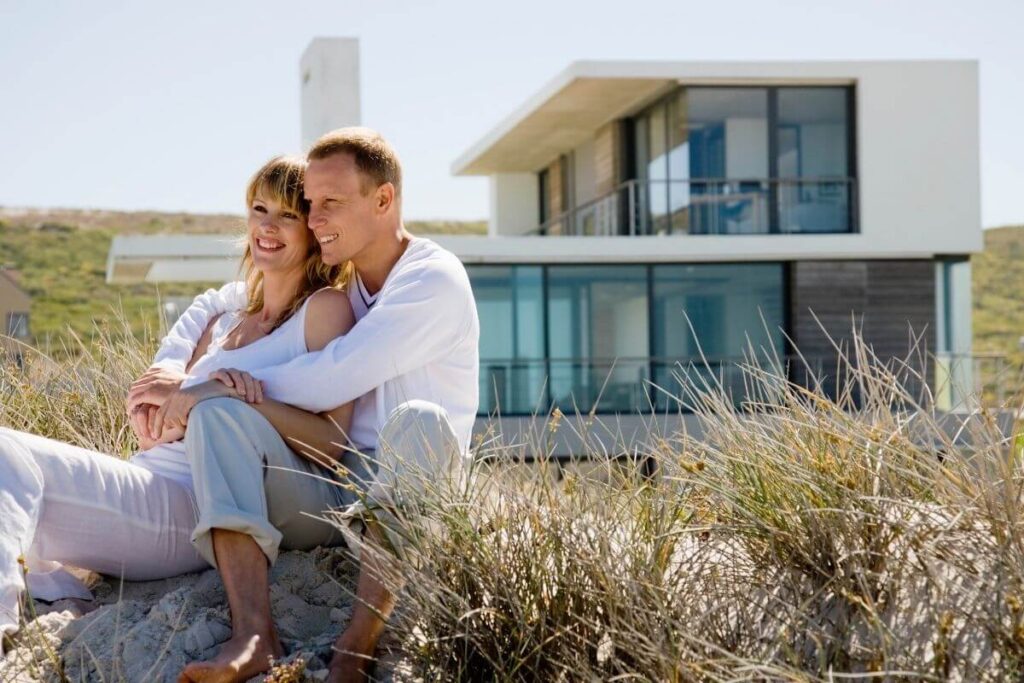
{"points": [[239, 659]]}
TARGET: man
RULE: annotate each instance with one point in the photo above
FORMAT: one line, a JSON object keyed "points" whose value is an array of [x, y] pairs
{"points": [[410, 363]]}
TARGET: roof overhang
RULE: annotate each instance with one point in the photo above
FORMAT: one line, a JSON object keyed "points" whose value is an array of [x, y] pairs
{"points": [[673, 249], [567, 111], [173, 258]]}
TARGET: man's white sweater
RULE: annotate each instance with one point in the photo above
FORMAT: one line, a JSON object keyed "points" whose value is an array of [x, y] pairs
{"points": [[419, 341]]}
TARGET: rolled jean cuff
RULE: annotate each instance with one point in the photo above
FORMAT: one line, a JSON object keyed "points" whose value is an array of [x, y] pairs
{"points": [[266, 536], [354, 519]]}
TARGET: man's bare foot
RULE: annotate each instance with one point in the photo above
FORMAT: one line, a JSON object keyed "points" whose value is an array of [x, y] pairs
{"points": [[239, 659], [352, 661]]}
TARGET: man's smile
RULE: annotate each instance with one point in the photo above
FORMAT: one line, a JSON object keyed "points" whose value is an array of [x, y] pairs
{"points": [[327, 239]]}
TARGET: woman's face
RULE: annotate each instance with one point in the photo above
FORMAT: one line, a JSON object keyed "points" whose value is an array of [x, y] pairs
{"points": [[278, 237]]}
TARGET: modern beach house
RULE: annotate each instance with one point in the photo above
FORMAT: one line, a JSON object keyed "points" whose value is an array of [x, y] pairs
{"points": [[653, 219], [645, 216]]}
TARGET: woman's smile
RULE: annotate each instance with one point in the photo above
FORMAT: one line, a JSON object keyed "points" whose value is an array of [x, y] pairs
{"points": [[269, 244]]}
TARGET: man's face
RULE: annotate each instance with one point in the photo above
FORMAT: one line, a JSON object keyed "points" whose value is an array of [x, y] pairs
{"points": [[344, 220]]}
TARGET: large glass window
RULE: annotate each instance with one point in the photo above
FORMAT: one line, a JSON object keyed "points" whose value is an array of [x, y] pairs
{"points": [[510, 304], [954, 365], [651, 144], [598, 337], [745, 160], [705, 317], [586, 336], [812, 143]]}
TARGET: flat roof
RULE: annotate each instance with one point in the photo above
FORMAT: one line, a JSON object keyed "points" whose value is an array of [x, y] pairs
{"points": [[173, 258], [588, 94]]}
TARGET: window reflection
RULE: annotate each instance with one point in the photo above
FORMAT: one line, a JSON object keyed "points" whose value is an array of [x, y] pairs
{"points": [[704, 163], [597, 336], [812, 142], [510, 305], [713, 313], [601, 334]]}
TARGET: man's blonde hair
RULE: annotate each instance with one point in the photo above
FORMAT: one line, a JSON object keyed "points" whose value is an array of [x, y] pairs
{"points": [[374, 156]]}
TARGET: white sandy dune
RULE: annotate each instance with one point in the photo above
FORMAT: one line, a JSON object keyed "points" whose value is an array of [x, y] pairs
{"points": [[147, 631]]}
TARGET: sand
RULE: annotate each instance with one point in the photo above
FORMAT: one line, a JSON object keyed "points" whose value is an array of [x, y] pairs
{"points": [[147, 631]]}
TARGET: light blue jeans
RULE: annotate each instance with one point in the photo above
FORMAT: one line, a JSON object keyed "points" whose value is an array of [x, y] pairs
{"points": [[247, 479]]}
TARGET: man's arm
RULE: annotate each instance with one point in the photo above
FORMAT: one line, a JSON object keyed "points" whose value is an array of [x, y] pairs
{"points": [[426, 312], [177, 347], [329, 315]]}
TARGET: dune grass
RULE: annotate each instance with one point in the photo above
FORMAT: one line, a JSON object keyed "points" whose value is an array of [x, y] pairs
{"points": [[803, 537]]}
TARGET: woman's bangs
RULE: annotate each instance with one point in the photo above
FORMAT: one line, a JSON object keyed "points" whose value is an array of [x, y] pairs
{"points": [[282, 183]]}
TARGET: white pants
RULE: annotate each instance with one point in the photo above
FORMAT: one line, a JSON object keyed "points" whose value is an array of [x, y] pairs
{"points": [[62, 503]]}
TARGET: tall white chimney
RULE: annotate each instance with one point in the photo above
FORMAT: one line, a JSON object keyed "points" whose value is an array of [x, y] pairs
{"points": [[329, 74]]}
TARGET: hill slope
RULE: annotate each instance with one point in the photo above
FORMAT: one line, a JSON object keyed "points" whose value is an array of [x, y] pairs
{"points": [[62, 257], [999, 293]]}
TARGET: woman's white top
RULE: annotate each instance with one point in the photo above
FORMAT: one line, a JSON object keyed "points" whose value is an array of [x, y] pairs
{"points": [[418, 340], [280, 346]]}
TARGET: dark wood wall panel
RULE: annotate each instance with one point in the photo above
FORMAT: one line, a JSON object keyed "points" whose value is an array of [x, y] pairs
{"points": [[885, 299]]}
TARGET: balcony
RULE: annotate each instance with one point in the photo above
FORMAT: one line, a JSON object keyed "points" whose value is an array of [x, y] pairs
{"points": [[754, 206], [512, 387]]}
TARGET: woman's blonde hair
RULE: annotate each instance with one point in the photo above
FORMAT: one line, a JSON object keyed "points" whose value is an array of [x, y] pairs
{"points": [[280, 180]]}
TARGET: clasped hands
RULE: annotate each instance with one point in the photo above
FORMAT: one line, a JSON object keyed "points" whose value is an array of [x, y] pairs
{"points": [[158, 407]]}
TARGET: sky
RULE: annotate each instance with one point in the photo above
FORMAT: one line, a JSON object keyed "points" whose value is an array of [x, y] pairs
{"points": [[172, 105]]}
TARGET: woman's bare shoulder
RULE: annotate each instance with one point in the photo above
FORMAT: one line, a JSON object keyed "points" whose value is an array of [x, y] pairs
{"points": [[329, 315]]}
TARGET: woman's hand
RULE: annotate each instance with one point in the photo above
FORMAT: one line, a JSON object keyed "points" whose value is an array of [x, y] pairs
{"points": [[245, 385], [153, 387], [140, 419], [173, 414]]}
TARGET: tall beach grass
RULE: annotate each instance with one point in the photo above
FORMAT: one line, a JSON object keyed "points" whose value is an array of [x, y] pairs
{"points": [[804, 536]]}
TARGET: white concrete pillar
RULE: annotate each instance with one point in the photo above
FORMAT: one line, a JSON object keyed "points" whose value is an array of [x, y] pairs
{"points": [[329, 77], [515, 204]]}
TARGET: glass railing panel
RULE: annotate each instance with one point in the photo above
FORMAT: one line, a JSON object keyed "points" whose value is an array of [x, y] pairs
{"points": [[511, 387], [814, 206], [614, 387], [726, 207], [754, 206], [678, 384], [638, 385]]}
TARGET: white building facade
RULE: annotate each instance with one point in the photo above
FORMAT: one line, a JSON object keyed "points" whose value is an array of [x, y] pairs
{"points": [[649, 215], [653, 219]]}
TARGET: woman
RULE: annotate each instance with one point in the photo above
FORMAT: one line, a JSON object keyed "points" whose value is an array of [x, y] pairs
{"points": [[64, 504]]}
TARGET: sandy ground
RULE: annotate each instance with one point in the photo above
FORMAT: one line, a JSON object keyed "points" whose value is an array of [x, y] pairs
{"points": [[147, 631]]}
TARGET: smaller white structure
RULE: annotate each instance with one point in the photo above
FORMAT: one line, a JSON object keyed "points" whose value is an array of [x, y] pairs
{"points": [[329, 74], [173, 258]]}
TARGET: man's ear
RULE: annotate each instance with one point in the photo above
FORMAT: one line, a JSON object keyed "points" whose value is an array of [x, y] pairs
{"points": [[385, 197]]}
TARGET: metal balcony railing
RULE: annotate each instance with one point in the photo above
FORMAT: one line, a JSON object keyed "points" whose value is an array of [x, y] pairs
{"points": [[714, 206], [638, 385]]}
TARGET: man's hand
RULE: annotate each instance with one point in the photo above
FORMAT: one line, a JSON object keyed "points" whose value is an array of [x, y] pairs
{"points": [[154, 387]]}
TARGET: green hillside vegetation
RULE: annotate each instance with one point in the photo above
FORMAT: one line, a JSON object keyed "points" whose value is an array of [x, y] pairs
{"points": [[999, 293], [62, 255]]}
